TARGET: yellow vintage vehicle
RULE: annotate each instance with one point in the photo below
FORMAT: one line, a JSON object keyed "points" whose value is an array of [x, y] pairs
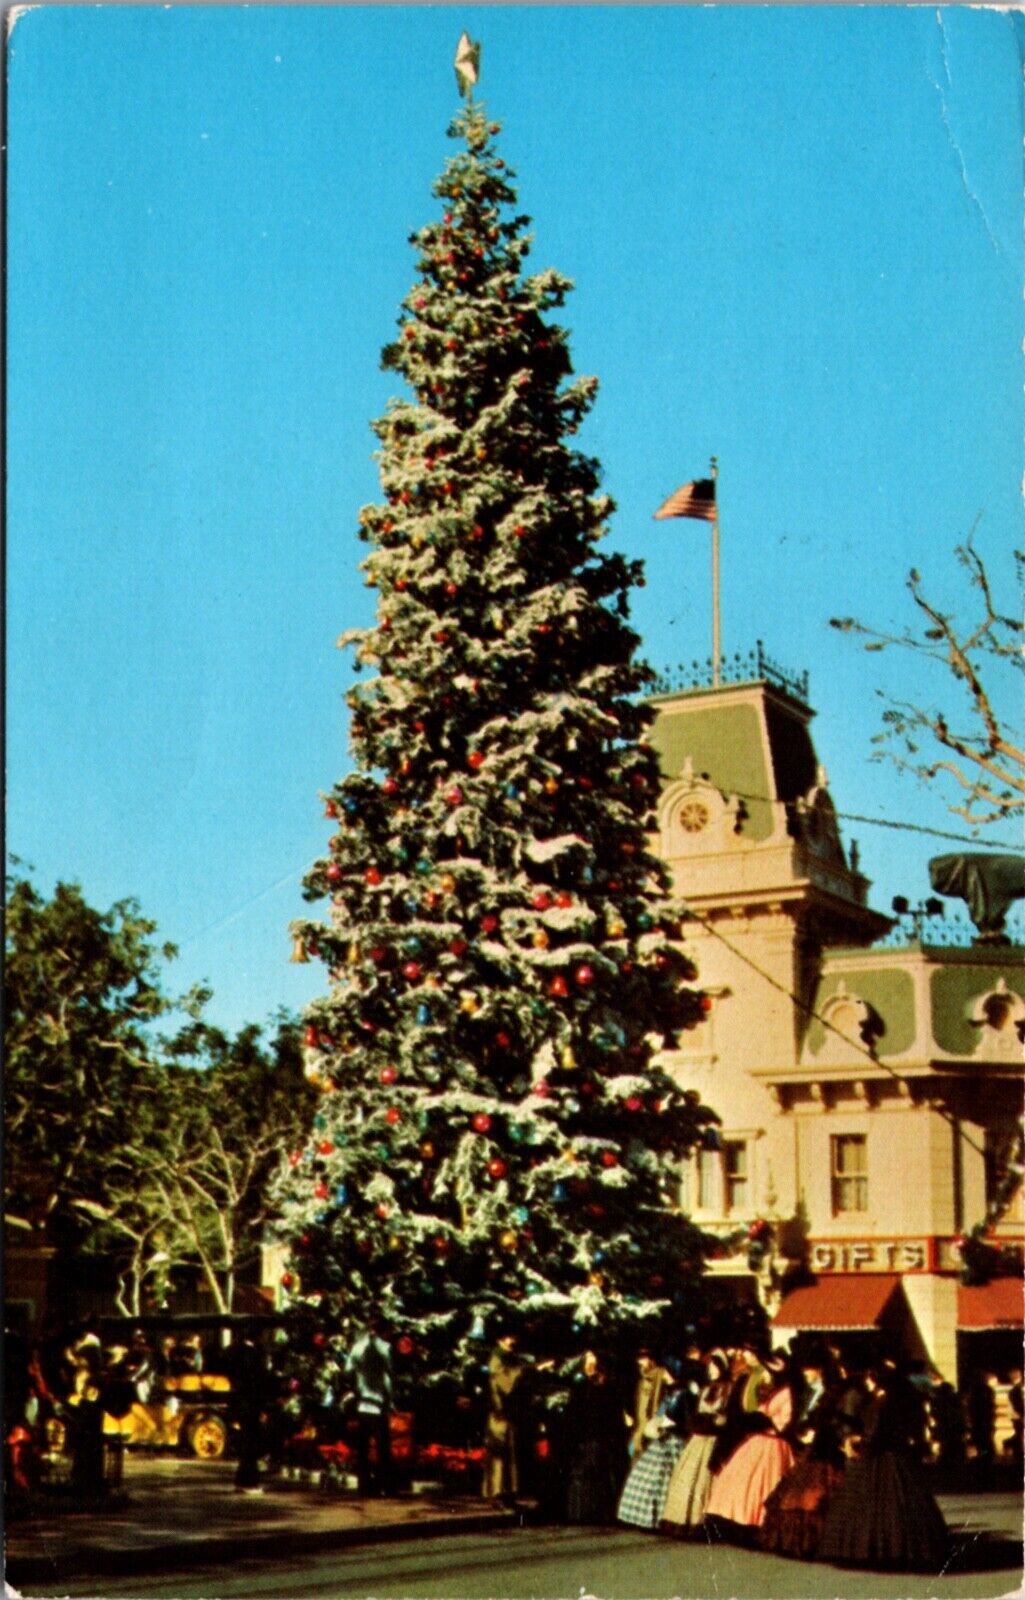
{"points": [[188, 1412]]}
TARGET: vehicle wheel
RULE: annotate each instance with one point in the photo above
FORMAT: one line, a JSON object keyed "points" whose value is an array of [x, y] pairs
{"points": [[208, 1438]]}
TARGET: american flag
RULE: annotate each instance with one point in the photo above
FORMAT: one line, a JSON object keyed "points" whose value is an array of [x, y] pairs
{"points": [[693, 500]]}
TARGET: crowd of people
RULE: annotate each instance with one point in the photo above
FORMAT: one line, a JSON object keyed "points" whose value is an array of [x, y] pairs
{"points": [[812, 1454], [808, 1455]]}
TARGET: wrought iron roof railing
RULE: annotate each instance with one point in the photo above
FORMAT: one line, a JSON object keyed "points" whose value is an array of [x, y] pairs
{"points": [[746, 666], [949, 933]]}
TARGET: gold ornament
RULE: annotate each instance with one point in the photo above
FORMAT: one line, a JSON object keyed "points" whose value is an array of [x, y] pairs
{"points": [[469, 1003], [299, 951], [354, 953], [568, 1059], [616, 930], [540, 939], [508, 1240], [551, 785], [448, 883]]}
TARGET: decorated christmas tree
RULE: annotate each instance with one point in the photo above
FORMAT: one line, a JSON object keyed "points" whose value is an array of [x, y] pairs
{"points": [[495, 1139]]}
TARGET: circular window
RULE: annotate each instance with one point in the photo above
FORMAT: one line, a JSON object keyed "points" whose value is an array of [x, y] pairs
{"points": [[693, 816]]}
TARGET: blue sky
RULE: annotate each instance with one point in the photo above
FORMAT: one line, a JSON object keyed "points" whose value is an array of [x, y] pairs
{"points": [[796, 237]]}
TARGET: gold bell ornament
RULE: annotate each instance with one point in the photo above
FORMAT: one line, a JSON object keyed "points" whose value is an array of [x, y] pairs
{"points": [[299, 951]]}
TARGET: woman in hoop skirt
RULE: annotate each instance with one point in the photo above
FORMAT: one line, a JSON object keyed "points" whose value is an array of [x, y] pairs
{"points": [[736, 1499], [882, 1515], [684, 1511]]}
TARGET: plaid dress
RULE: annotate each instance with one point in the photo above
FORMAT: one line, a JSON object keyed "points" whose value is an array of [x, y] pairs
{"points": [[647, 1484]]}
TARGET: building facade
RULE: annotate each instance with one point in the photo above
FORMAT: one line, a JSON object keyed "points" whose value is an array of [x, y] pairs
{"points": [[870, 1094]]}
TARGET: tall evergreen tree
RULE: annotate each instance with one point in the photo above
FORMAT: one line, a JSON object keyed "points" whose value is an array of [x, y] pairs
{"points": [[496, 1135]]}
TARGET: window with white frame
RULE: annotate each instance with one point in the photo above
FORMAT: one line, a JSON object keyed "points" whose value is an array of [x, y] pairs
{"points": [[849, 1164], [736, 1188]]}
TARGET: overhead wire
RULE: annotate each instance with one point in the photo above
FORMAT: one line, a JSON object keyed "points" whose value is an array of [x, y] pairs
{"points": [[809, 1010]]}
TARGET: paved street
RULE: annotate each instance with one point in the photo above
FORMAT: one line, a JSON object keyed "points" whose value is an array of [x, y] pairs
{"points": [[611, 1565]]}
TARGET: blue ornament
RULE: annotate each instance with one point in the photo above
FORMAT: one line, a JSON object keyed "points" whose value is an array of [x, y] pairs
{"points": [[424, 866], [598, 1257], [560, 1192], [522, 1214], [320, 1216], [350, 807], [320, 1121], [413, 944], [341, 1194], [423, 1015], [512, 792], [412, 906], [515, 1133]]}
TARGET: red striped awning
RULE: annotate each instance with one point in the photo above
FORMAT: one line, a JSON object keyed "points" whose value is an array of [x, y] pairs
{"points": [[998, 1304], [841, 1302]]}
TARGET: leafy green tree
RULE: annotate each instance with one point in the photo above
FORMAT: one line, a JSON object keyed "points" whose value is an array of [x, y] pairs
{"points": [[196, 1196], [496, 1137], [150, 1148], [82, 992]]}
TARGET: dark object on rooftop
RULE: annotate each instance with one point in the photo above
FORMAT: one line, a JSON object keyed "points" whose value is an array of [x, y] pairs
{"points": [[986, 883]]}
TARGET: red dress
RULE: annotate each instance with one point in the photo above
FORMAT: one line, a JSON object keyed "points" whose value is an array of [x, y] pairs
{"points": [[739, 1491]]}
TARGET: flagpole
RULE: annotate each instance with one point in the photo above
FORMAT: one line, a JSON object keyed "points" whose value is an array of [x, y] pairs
{"points": [[716, 652]]}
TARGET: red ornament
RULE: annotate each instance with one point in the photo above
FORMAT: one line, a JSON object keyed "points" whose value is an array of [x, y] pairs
{"points": [[405, 1345], [454, 796], [325, 1147], [458, 947], [475, 759], [311, 1037], [330, 809], [411, 970], [584, 976], [451, 589], [390, 786], [609, 1158], [542, 900], [373, 876], [287, 1280], [295, 1158], [334, 873], [481, 1123], [633, 1102], [382, 1211], [558, 988], [320, 1340], [320, 1191], [378, 955], [564, 899], [705, 1002], [392, 1115], [388, 1074], [497, 1167], [542, 1088], [519, 530], [489, 923], [502, 1039]]}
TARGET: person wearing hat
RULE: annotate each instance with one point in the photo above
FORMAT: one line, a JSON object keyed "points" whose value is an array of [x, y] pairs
{"points": [[739, 1490], [594, 1456], [684, 1510], [506, 1369]]}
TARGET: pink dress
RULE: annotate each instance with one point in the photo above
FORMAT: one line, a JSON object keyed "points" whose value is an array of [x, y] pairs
{"points": [[739, 1491]]}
